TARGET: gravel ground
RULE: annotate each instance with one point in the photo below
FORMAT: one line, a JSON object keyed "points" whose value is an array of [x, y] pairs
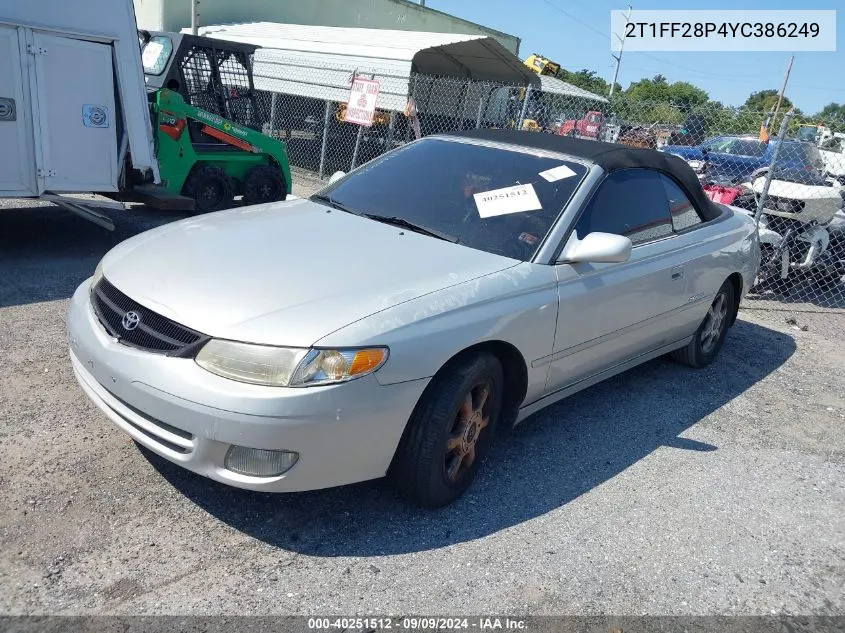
{"points": [[662, 491]]}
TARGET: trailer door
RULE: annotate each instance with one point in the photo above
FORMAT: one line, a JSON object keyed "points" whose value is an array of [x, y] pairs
{"points": [[17, 161], [76, 112]]}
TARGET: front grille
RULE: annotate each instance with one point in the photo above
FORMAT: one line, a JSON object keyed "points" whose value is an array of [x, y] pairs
{"points": [[154, 333]]}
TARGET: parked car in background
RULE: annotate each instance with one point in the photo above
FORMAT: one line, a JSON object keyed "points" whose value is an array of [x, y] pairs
{"points": [[398, 319], [832, 152], [588, 126], [734, 159]]}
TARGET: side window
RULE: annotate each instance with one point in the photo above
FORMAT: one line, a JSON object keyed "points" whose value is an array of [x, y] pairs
{"points": [[630, 202], [684, 214], [749, 148]]}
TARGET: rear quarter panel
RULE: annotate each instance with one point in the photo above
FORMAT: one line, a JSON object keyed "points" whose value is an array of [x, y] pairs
{"points": [[715, 251]]}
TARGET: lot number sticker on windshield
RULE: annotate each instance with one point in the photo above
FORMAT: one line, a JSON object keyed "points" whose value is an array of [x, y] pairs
{"points": [[557, 173], [507, 200]]}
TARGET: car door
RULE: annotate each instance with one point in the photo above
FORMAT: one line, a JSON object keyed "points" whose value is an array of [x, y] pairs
{"points": [[694, 247], [609, 313]]}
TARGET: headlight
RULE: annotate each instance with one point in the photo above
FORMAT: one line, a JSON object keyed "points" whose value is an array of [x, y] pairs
{"points": [[326, 366], [287, 366]]}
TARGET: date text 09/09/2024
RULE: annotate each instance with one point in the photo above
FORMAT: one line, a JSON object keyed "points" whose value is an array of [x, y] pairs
{"points": [[417, 623]]}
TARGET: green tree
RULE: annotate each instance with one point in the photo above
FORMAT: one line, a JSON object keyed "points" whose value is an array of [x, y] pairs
{"points": [[832, 115], [765, 100], [832, 111]]}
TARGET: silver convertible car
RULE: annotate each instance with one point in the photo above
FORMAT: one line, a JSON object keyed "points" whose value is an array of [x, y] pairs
{"points": [[412, 309]]}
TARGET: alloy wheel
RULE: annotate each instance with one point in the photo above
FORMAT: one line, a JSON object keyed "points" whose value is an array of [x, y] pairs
{"points": [[712, 329], [471, 420]]}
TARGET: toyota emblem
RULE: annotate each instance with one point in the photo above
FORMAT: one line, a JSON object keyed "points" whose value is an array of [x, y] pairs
{"points": [[131, 320]]}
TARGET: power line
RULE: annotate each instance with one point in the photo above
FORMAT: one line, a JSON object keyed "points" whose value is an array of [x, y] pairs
{"points": [[696, 70], [572, 17]]}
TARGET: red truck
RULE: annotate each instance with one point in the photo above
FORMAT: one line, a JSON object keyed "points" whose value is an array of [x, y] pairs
{"points": [[588, 126]]}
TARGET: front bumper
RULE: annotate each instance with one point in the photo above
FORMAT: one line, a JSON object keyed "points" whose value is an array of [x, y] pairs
{"points": [[343, 433]]}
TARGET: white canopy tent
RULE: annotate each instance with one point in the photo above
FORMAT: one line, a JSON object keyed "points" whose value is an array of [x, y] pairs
{"points": [[318, 61]]}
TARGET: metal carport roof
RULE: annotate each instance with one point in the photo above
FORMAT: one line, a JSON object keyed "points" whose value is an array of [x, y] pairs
{"points": [[554, 85], [318, 61]]}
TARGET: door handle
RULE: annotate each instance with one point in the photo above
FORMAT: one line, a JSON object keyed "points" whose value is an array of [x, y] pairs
{"points": [[677, 273]]}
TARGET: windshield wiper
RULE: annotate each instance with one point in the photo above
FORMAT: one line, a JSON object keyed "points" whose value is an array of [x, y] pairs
{"points": [[334, 204], [417, 228]]}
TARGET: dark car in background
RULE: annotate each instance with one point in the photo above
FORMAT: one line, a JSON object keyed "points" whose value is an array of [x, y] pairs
{"points": [[692, 132], [732, 159]]}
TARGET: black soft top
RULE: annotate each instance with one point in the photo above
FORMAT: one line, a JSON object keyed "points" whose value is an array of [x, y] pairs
{"points": [[609, 156]]}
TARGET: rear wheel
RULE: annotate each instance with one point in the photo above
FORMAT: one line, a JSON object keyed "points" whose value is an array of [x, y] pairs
{"points": [[264, 184], [708, 340], [210, 187], [449, 432]]}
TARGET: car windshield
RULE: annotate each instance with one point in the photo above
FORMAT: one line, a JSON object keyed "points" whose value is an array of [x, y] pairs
{"points": [[718, 144], [501, 201], [156, 54], [807, 133]]}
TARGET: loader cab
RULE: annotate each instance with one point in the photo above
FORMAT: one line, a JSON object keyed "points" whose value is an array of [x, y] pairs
{"points": [[211, 74]]}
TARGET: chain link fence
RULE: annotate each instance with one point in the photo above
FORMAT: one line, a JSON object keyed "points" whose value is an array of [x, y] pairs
{"points": [[788, 174]]}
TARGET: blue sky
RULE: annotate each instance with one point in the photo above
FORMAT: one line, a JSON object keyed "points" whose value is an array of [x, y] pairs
{"points": [[816, 79]]}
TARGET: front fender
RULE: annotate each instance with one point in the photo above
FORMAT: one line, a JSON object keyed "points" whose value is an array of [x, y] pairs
{"points": [[517, 306]]}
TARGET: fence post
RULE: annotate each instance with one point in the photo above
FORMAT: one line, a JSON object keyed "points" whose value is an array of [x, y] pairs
{"points": [[272, 113], [391, 129], [327, 117], [357, 146], [784, 126], [480, 110], [524, 107]]}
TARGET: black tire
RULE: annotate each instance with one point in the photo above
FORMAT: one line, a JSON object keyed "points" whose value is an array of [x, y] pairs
{"points": [[264, 184], [709, 337], [768, 276], [437, 436], [210, 187]]}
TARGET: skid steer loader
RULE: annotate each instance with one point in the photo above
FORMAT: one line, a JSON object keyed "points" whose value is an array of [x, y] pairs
{"points": [[205, 118]]}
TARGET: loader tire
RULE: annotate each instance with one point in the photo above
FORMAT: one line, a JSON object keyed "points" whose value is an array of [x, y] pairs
{"points": [[210, 187], [264, 184]]}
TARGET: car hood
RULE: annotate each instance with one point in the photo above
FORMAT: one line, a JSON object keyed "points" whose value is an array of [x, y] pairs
{"points": [[286, 273]]}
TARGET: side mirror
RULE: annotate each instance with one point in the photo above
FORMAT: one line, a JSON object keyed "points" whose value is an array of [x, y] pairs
{"points": [[598, 248], [336, 176]]}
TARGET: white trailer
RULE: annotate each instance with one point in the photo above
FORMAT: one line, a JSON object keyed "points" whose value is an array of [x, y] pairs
{"points": [[72, 100]]}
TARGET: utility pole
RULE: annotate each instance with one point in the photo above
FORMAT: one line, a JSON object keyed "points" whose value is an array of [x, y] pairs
{"points": [[783, 89], [195, 16], [618, 57]]}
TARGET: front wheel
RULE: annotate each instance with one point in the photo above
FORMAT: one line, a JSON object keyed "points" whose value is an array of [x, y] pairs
{"points": [[449, 432], [708, 340], [210, 187]]}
